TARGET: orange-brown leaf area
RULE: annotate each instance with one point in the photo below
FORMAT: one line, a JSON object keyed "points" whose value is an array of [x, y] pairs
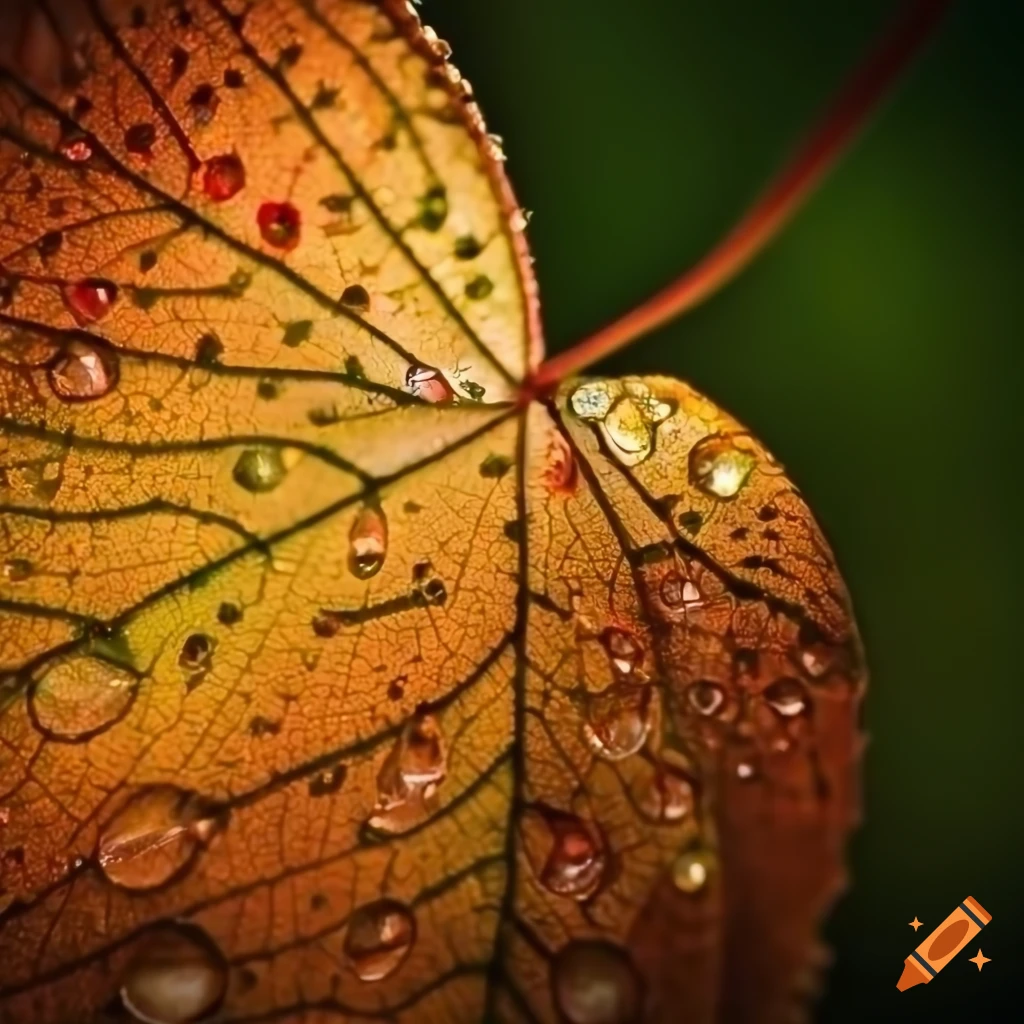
{"points": [[335, 682]]}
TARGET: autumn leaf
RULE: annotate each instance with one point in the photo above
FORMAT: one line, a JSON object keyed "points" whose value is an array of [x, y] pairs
{"points": [[338, 679]]}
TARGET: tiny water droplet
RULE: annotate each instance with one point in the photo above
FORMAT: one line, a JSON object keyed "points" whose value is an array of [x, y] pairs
{"points": [[595, 982], [79, 696], [223, 177], [705, 697], [575, 865], [155, 835], [787, 696], [139, 139], [81, 372], [677, 595], [328, 781], [368, 542], [90, 299], [718, 467], [279, 225], [692, 869], [619, 720], [178, 976], [356, 297], [259, 469], [379, 938], [76, 149], [196, 653], [428, 384], [17, 570], [745, 771], [624, 649], [816, 660]]}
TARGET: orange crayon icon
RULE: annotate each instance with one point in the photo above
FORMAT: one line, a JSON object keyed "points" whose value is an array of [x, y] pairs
{"points": [[943, 944]]}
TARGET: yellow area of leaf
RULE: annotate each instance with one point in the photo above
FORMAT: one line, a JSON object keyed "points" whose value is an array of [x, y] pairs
{"points": [[333, 683]]}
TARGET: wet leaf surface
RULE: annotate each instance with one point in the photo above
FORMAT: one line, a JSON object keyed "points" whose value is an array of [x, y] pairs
{"points": [[337, 683]]}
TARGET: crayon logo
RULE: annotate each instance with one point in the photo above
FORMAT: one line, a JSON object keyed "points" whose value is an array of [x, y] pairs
{"points": [[925, 962]]}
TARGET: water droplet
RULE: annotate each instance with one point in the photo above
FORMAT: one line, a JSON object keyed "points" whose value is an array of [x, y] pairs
{"points": [[17, 570], [677, 595], [410, 775], [139, 139], [624, 649], [786, 696], [428, 384], [279, 225], [591, 401], [467, 248], [81, 372], [816, 660], [434, 209], [79, 696], [356, 297], [379, 938], [718, 467], [479, 288], [628, 431], [692, 869], [668, 797], [76, 149], [705, 697], [328, 781], [619, 720], [178, 976], [259, 469], [90, 299], [196, 653], [368, 542], [223, 177], [155, 835], [575, 865], [595, 982]]}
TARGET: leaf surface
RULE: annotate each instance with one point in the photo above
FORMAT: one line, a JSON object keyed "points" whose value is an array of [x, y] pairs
{"points": [[337, 682]]}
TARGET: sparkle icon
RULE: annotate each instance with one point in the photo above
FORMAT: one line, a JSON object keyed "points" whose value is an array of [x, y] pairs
{"points": [[980, 960], [915, 924]]}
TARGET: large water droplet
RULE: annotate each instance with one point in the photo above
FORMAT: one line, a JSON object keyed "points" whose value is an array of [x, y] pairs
{"points": [[668, 797], [718, 467], [619, 720], [259, 469], [705, 697], [595, 982], [155, 835], [79, 696], [368, 542], [223, 177], [592, 400], [379, 938], [787, 696], [428, 384], [410, 775], [692, 869], [90, 299], [575, 864], [81, 372], [178, 976]]}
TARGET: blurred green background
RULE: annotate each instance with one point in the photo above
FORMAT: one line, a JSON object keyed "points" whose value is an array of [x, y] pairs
{"points": [[875, 347]]}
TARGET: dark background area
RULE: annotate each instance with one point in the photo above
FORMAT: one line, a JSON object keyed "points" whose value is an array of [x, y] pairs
{"points": [[875, 347]]}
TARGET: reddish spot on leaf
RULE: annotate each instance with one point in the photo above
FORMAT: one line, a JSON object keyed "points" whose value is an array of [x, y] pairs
{"points": [[279, 225]]}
